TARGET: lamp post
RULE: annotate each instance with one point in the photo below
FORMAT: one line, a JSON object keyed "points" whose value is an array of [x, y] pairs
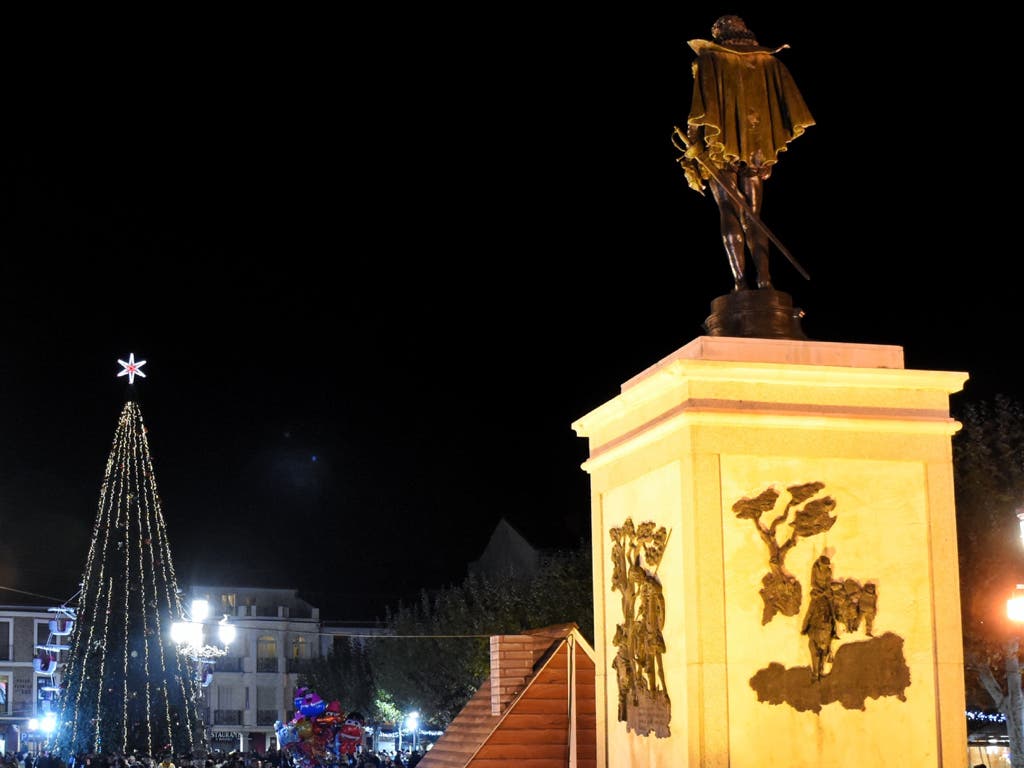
{"points": [[412, 723], [190, 636], [41, 729], [1014, 708]]}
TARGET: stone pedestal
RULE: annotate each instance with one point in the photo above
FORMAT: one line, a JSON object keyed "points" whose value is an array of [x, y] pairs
{"points": [[775, 564]]}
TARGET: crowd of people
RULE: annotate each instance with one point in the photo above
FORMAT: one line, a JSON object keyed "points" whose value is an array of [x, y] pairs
{"points": [[365, 758], [26, 759]]}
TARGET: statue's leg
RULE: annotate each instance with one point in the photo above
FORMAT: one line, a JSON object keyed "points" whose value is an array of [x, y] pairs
{"points": [[757, 240], [732, 228]]}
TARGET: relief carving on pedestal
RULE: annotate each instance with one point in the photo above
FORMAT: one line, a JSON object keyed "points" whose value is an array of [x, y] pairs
{"points": [[781, 591], [644, 704], [851, 672]]}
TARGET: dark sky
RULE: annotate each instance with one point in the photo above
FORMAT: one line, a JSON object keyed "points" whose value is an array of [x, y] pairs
{"points": [[378, 266]]}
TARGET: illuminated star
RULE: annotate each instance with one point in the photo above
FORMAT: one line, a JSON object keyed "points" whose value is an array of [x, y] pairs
{"points": [[131, 368]]}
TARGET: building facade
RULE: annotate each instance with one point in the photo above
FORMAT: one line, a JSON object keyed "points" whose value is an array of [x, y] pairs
{"points": [[24, 698]]}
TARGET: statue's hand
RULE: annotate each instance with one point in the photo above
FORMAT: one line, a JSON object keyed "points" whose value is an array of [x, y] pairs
{"points": [[694, 151], [691, 170]]}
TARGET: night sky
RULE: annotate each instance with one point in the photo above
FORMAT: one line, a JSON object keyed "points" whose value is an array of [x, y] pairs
{"points": [[378, 266]]}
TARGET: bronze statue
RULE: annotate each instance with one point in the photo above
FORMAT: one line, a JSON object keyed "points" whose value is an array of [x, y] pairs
{"points": [[745, 109]]}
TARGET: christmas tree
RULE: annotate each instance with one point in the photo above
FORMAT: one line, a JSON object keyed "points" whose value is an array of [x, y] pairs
{"points": [[125, 685]]}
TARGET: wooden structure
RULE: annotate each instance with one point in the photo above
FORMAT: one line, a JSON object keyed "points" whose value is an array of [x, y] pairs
{"points": [[536, 710]]}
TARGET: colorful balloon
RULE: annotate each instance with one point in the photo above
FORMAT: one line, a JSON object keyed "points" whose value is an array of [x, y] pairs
{"points": [[313, 708], [350, 736], [287, 734], [314, 739]]}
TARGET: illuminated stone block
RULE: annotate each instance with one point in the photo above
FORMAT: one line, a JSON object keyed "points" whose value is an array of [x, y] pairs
{"points": [[775, 563]]}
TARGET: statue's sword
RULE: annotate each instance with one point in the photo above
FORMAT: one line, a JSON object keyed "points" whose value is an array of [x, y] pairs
{"points": [[679, 136]]}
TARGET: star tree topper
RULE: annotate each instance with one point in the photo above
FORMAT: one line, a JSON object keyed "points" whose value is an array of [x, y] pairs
{"points": [[131, 368]]}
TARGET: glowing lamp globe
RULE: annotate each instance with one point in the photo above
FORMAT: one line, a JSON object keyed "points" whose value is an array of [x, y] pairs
{"points": [[1015, 605], [225, 631], [187, 633], [49, 724], [200, 610]]}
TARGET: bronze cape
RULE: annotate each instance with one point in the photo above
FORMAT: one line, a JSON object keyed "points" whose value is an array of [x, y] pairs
{"points": [[756, 116]]}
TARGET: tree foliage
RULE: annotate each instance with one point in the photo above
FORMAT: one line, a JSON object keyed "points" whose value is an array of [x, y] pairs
{"points": [[988, 460], [989, 477], [438, 654], [344, 676]]}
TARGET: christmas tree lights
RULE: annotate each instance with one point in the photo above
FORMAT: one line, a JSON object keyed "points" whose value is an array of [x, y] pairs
{"points": [[126, 687]]}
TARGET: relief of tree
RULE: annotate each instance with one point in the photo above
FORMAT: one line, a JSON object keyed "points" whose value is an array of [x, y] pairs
{"points": [[807, 514]]}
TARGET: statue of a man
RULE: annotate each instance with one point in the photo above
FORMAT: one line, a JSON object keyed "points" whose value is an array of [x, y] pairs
{"points": [[746, 108]]}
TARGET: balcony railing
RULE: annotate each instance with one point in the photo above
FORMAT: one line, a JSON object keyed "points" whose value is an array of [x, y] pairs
{"points": [[204, 715], [266, 664], [266, 716], [295, 665], [228, 664], [227, 717]]}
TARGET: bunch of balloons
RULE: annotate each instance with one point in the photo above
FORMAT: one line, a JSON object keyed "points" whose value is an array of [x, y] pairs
{"points": [[319, 732]]}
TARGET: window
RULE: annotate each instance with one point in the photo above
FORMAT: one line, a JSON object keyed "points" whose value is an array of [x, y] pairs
{"points": [[231, 697], [266, 647], [266, 697], [300, 648], [299, 654], [230, 705], [266, 654], [5, 686], [227, 604], [266, 705], [43, 632], [5, 641]]}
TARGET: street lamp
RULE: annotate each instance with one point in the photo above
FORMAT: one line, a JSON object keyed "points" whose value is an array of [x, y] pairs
{"points": [[190, 636], [1015, 605], [48, 724], [412, 723]]}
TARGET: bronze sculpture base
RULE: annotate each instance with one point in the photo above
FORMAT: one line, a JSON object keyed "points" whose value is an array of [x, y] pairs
{"points": [[761, 313]]}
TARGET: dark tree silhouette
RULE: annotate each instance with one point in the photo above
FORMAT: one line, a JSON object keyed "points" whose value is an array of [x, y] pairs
{"points": [[988, 461]]}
